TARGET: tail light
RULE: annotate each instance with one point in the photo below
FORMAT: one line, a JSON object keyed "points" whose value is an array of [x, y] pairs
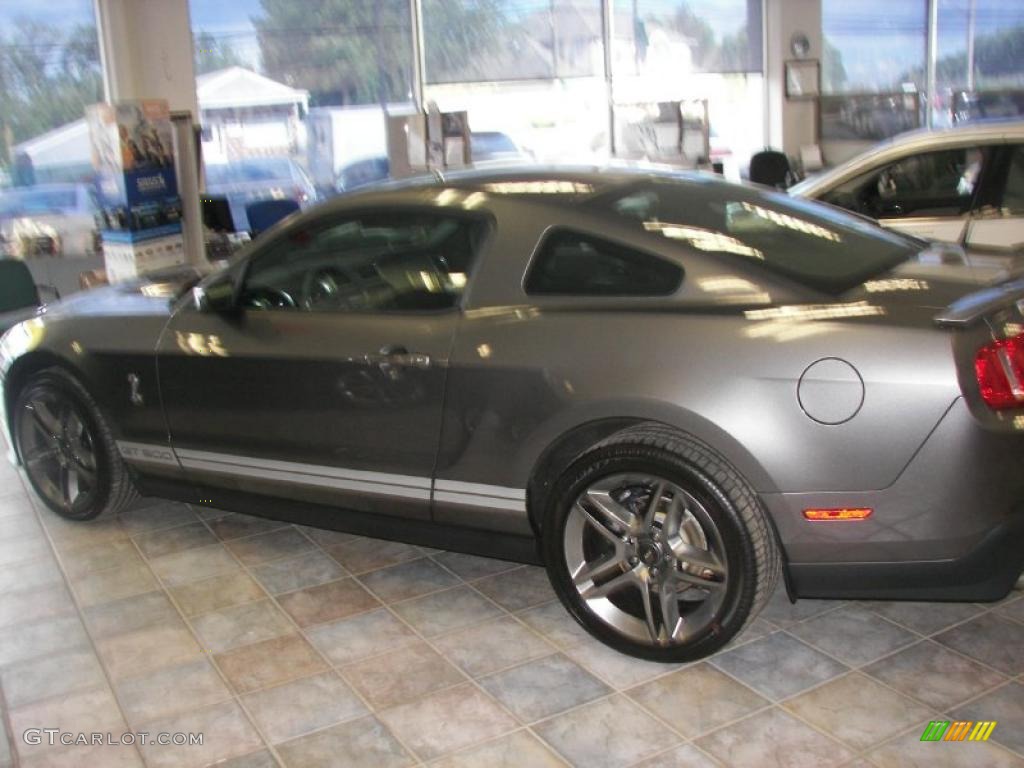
{"points": [[999, 367]]}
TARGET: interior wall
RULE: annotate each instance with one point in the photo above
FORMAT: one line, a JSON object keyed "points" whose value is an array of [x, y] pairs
{"points": [[791, 124]]}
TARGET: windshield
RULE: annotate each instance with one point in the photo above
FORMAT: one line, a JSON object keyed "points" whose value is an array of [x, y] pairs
{"points": [[812, 244]]}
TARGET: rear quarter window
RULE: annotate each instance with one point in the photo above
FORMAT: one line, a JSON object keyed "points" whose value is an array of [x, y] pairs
{"points": [[570, 263]]}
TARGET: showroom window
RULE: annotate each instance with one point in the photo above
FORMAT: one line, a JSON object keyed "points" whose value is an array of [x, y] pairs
{"points": [[573, 264], [377, 263], [50, 70]]}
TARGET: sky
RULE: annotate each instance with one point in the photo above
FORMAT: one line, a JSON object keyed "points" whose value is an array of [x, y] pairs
{"points": [[876, 37]]}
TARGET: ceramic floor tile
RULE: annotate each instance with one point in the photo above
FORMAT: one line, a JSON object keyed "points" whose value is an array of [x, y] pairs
{"points": [[216, 593], [617, 669], [361, 556], [401, 675], [493, 645], [773, 739], [167, 541], [544, 687], [697, 699], [327, 602], [990, 639], [926, 618], [41, 638], [71, 534], [782, 613], [606, 734], [308, 570], [194, 565], [238, 625], [114, 584], [266, 547], [685, 756], [261, 758], [858, 711], [408, 580], [116, 756], [99, 557], [31, 574], [235, 526], [1005, 705], [171, 690], [326, 538], [1013, 609], [556, 625], [366, 634], [226, 733], [516, 750], [470, 567], [446, 611], [24, 526], [269, 663], [302, 706], [35, 604], [21, 549], [833, 633], [155, 515], [448, 721], [26, 682], [778, 665], [92, 710], [365, 743], [522, 588], [147, 649], [130, 614], [934, 675], [908, 751]]}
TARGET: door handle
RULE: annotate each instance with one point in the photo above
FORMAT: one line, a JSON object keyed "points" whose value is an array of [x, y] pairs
{"points": [[398, 356]]}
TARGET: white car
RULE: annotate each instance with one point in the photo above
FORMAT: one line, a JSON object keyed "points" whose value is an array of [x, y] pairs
{"points": [[963, 185], [48, 220]]}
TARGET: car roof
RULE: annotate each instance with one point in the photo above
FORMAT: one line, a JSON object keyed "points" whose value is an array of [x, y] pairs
{"points": [[982, 131]]}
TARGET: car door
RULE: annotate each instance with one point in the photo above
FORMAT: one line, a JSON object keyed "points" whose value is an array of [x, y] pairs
{"points": [[998, 226], [321, 375], [928, 194]]}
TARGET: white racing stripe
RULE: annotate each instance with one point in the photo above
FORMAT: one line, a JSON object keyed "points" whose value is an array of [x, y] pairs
{"points": [[340, 478]]}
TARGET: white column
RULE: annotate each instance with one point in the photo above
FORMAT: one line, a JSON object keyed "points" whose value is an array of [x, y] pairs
{"points": [[791, 124]]}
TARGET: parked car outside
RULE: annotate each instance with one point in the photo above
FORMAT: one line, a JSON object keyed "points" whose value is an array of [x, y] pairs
{"points": [[48, 220], [963, 185], [670, 389], [258, 178]]}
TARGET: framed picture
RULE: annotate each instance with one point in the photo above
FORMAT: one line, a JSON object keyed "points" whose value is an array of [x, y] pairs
{"points": [[803, 79]]}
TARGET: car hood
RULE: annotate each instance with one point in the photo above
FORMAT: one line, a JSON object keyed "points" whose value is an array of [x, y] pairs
{"points": [[154, 293]]}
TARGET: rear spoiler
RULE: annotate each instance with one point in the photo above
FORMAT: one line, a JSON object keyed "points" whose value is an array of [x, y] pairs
{"points": [[974, 307]]}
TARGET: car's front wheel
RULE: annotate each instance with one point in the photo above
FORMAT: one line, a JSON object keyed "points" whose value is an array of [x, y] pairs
{"points": [[66, 448], [657, 546]]}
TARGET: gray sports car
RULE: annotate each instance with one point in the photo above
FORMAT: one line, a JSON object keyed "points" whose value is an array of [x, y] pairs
{"points": [[669, 389]]}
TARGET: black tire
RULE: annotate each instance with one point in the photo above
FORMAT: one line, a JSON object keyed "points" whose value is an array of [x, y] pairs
{"points": [[744, 535], [108, 486]]}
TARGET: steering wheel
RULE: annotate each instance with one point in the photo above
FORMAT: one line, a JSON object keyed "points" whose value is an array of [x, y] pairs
{"points": [[319, 287], [269, 298]]}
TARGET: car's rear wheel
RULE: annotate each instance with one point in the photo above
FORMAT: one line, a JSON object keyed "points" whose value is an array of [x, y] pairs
{"points": [[66, 448], [657, 546]]}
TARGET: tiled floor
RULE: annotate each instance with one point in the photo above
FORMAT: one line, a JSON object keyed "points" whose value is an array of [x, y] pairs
{"points": [[298, 647]]}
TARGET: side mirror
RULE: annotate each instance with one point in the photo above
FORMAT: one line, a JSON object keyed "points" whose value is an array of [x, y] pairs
{"points": [[216, 297]]}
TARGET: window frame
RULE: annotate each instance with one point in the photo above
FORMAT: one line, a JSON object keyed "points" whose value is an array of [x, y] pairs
{"points": [[333, 218], [556, 229]]}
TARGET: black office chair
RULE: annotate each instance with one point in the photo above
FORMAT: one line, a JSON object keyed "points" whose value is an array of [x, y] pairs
{"points": [[263, 214], [772, 169]]}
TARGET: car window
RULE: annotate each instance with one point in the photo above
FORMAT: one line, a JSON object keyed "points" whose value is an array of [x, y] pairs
{"points": [[820, 247], [380, 262], [1013, 194], [940, 183], [574, 264]]}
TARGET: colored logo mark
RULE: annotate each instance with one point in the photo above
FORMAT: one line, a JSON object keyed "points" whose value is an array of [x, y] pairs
{"points": [[959, 730]]}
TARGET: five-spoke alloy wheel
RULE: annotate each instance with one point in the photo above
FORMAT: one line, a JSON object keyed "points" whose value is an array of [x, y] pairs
{"points": [[656, 545]]}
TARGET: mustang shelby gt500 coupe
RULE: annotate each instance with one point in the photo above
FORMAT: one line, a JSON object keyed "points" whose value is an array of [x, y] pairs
{"points": [[668, 389]]}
